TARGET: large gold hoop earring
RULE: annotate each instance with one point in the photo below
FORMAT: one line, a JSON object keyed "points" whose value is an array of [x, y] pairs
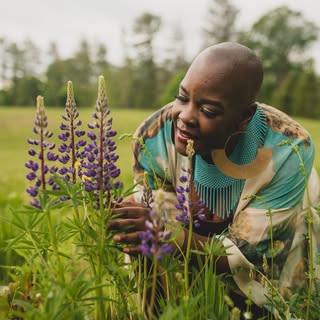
{"points": [[241, 171]]}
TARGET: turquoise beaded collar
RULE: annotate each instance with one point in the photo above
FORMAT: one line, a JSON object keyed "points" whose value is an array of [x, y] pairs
{"points": [[221, 193]]}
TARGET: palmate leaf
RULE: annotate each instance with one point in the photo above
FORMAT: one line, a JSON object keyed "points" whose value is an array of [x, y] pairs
{"points": [[74, 191], [213, 247], [28, 222], [26, 219]]}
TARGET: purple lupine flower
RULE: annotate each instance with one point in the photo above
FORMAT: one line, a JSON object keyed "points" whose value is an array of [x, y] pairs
{"points": [[155, 240], [71, 147], [42, 152], [99, 166], [185, 204]]}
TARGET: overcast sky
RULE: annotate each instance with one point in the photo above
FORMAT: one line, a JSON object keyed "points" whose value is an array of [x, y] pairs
{"points": [[67, 21]]}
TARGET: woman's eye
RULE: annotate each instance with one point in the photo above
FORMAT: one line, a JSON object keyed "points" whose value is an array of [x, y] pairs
{"points": [[181, 98], [209, 112]]}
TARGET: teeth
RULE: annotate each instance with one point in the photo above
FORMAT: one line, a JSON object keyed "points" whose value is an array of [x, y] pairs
{"points": [[185, 134]]}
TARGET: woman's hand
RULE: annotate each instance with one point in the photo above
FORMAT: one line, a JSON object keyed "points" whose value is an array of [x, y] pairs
{"points": [[130, 220]]}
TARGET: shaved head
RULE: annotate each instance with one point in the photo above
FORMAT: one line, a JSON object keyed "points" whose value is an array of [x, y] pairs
{"points": [[236, 69]]}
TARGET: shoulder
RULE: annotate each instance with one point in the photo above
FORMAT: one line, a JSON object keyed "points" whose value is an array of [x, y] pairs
{"points": [[155, 122], [280, 122]]}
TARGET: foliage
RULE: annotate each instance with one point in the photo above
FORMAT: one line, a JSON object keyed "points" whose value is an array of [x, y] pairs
{"points": [[144, 81], [69, 266], [171, 89], [281, 37], [61, 262], [306, 104], [16, 94]]}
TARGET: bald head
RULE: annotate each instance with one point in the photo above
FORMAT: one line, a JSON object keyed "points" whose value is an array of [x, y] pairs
{"points": [[235, 68]]}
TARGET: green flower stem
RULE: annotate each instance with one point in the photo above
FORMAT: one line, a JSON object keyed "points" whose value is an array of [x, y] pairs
{"points": [[272, 251], [142, 282], [153, 287], [35, 246], [54, 242], [167, 286], [145, 284], [310, 238], [154, 278], [187, 257], [309, 220], [100, 307], [190, 152], [139, 285]]}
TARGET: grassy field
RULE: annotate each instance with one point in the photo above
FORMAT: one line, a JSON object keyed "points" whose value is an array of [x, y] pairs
{"points": [[16, 127]]}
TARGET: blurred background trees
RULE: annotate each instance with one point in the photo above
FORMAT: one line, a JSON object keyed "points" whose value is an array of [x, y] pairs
{"points": [[281, 37]]}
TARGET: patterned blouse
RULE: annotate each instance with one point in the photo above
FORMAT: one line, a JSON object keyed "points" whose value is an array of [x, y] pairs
{"points": [[280, 190]]}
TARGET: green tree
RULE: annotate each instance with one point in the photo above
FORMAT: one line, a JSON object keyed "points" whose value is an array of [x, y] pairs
{"points": [[281, 38], [31, 59], [15, 60], [144, 82], [53, 52], [282, 96], [174, 62], [27, 90], [100, 64], [3, 65], [171, 89], [305, 94], [80, 70], [82, 67], [58, 74], [220, 22]]}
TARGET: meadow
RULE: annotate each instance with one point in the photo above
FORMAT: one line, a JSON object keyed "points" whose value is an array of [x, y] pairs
{"points": [[16, 127]]}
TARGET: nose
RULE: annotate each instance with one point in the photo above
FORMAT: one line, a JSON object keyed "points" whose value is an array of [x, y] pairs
{"points": [[189, 116]]}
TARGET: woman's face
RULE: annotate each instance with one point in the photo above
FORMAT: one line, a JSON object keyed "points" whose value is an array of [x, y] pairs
{"points": [[205, 110]]}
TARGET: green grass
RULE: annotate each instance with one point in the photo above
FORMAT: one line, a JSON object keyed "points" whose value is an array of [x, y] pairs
{"points": [[16, 127]]}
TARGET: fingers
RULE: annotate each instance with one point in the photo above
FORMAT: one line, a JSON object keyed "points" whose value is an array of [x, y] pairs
{"points": [[129, 218], [131, 212], [129, 204], [132, 237], [127, 224], [132, 251]]}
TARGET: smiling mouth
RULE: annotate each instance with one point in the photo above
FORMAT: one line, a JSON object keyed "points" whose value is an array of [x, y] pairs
{"points": [[184, 134]]}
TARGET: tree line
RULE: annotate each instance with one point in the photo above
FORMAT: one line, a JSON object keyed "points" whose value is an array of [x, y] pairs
{"points": [[281, 38]]}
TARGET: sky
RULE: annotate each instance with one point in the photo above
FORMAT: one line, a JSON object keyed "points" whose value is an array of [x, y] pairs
{"points": [[68, 21]]}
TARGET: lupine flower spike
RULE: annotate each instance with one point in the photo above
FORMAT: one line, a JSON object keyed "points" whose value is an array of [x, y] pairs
{"points": [[183, 191], [99, 165], [42, 153], [155, 240], [71, 148]]}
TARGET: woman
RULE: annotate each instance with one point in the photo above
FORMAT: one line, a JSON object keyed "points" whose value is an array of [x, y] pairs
{"points": [[247, 163]]}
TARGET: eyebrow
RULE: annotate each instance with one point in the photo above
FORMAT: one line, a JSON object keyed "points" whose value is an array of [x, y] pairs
{"points": [[205, 101]]}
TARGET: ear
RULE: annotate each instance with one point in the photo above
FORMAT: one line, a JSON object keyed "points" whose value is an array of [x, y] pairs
{"points": [[247, 116]]}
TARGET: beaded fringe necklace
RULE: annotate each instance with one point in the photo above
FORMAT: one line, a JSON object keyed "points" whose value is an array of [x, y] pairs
{"points": [[221, 193]]}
